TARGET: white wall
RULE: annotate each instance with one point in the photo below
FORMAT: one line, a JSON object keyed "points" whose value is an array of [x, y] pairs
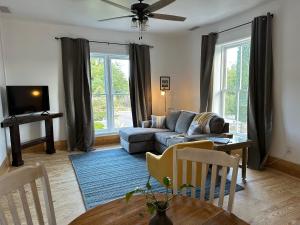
{"points": [[2, 84], [33, 57], [286, 141]]}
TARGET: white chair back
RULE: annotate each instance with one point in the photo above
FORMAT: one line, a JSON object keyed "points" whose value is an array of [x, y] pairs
{"points": [[21, 185], [207, 157]]}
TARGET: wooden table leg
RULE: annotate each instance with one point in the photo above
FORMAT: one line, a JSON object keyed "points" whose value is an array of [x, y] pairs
{"points": [[16, 146], [50, 149], [244, 163]]}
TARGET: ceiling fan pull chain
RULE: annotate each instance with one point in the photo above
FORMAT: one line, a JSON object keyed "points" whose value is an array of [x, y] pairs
{"points": [[141, 34]]}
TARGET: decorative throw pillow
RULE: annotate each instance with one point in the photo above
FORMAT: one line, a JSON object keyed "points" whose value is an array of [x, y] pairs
{"points": [[201, 123], [158, 121], [194, 128], [184, 121]]}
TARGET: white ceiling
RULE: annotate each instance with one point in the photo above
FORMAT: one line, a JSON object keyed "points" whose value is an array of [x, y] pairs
{"points": [[87, 12]]}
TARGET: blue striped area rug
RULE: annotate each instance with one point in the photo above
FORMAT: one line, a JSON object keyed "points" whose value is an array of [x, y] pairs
{"points": [[107, 175]]}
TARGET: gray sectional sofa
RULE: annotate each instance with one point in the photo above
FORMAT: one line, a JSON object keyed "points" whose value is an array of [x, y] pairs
{"points": [[177, 123]]}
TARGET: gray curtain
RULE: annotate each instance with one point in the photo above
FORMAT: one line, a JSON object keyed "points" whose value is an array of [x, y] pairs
{"points": [[260, 91], [207, 58], [140, 83], [77, 85]]}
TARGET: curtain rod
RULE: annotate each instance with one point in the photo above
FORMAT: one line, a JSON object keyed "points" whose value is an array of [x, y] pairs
{"points": [[232, 28], [107, 42]]}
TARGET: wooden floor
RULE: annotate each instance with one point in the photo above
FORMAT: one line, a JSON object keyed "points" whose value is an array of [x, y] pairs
{"points": [[269, 198]]}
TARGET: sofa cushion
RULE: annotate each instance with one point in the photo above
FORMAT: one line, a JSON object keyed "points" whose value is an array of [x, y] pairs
{"points": [[146, 124], [216, 125], [174, 141], [184, 121], [158, 121], [206, 123], [171, 120], [163, 137], [194, 128], [137, 134]]}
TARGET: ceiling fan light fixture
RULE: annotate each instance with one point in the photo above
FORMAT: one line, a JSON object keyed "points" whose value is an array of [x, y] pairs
{"points": [[141, 12], [134, 23], [144, 24]]}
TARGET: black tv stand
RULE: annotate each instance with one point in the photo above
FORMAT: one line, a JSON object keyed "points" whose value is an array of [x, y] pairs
{"points": [[16, 146]]}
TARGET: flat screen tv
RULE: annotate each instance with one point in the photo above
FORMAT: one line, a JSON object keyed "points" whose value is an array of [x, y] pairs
{"points": [[27, 99]]}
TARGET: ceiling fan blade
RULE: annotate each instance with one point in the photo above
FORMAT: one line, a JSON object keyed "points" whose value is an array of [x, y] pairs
{"points": [[114, 18], [158, 5], [166, 17], [117, 5]]}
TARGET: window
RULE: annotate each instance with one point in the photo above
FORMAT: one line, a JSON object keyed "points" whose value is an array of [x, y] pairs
{"points": [[233, 82], [110, 92]]}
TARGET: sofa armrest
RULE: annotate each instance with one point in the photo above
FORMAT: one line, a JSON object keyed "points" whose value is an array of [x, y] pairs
{"points": [[146, 124], [226, 128]]}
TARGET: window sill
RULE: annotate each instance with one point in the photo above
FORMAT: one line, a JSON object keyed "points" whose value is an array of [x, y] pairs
{"points": [[105, 133]]}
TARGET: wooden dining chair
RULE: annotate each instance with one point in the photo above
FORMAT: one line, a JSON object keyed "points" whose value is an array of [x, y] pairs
{"points": [[219, 161], [22, 184]]}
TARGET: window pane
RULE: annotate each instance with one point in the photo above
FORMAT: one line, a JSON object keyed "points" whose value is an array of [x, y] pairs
{"points": [[100, 112], [245, 65], [120, 76], [232, 68], [243, 104], [235, 100], [122, 111], [110, 92], [98, 79], [98, 93], [230, 106], [121, 98]]}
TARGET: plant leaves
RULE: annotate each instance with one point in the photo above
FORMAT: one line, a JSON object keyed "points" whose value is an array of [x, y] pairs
{"points": [[151, 207], [148, 186], [139, 190], [167, 181], [129, 195]]}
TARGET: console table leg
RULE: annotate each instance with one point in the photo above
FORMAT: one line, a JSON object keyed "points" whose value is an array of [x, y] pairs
{"points": [[244, 163], [16, 146], [50, 149]]}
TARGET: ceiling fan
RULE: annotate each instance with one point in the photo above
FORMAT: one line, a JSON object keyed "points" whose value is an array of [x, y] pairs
{"points": [[141, 12]]}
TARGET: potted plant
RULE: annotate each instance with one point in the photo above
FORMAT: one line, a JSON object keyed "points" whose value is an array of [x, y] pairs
{"points": [[155, 205]]}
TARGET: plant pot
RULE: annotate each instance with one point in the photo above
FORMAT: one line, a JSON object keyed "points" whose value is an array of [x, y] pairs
{"points": [[160, 218]]}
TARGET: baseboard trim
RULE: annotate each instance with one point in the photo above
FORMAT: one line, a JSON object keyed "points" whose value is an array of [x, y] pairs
{"points": [[59, 145], [106, 140], [4, 167], [63, 145], [284, 166]]}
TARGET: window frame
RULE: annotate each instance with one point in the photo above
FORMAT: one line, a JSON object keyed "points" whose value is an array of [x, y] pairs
{"points": [[109, 92], [221, 70]]}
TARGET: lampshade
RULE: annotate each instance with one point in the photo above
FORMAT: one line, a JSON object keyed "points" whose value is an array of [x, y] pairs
{"points": [[140, 23], [134, 23], [144, 24]]}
